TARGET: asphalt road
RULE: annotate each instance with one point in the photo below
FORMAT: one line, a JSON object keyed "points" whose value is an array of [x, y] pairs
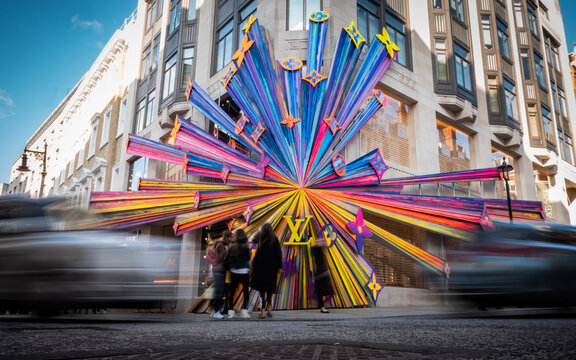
{"points": [[410, 333]]}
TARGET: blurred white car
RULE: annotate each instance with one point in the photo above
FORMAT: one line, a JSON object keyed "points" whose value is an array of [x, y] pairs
{"points": [[47, 267], [517, 265]]}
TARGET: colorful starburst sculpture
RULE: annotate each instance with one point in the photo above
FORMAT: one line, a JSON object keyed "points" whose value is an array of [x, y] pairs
{"points": [[295, 123]]}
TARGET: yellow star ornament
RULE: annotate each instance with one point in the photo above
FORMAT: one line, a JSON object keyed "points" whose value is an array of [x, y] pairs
{"points": [[249, 23], [357, 38], [385, 38], [375, 286]]}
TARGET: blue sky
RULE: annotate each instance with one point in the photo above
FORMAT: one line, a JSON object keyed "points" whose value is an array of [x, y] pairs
{"points": [[46, 48], [48, 45]]}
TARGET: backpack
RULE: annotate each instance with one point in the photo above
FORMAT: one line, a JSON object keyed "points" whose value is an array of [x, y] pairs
{"points": [[211, 255]]}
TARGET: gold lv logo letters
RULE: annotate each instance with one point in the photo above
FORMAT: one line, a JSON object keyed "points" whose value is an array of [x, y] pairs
{"points": [[297, 231]]}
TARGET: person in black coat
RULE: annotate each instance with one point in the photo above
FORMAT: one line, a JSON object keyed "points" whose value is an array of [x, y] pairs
{"points": [[322, 285], [265, 266]]}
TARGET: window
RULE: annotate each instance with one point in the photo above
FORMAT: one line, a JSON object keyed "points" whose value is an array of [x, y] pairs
{"points": [[174, 15], [396, 30], [191, 15], [368, 19], [493, 95], [151, 15], [457, 8], [539, 70], [140, 113], [80, 158], [169, 76], [562, 102], [155, 50], [150, 109], [93, 135], [569, 149], [389, 130], [532, 22], [551, 52], [229, 32], [463, 77], [525, 64], [146, 62], [437, 4], [487, 32], [441, 68], [503, 40], [518, 12], [105, 127], [554, 96], [511, 102], [453, 148], [122, 117], [159, 8], [555, 58], [243, 17], [547, 125], [188, 62], [298, 12], [224, 45], [561, 144], [138, 169]]}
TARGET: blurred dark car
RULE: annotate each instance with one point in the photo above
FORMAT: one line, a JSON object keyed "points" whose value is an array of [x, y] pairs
{"points": [[517, 265], [48, 263]]}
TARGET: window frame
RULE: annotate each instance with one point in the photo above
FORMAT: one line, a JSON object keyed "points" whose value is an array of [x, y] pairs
{"points": [[236, 21], [169, 78], [457, 10], [510, 100], [539, 67], [532, 19], [184, 63], [175, 18], [487, 31], [503, 39], [463, 59], [547, 125]]}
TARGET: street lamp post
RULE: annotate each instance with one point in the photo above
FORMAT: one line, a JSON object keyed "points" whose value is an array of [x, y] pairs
{"points": [[40, 155], [505, 169]]}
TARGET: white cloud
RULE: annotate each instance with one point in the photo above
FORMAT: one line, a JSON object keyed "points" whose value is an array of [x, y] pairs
{"points": [[6, 104], [84, 24]]}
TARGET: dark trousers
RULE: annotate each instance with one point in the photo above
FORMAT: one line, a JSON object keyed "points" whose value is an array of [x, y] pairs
{"points": [[239, 279], [219, 277]]}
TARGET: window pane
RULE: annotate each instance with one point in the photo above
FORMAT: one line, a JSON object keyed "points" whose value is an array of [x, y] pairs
{"points": [[441, 60], [437, 4], [401, 57], [526, 65], [296, 9], [188, 61], [191, 10], [363, 21], [373, 27], [486, 31]]}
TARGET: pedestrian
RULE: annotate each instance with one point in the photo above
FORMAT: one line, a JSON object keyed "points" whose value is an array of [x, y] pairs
{"points": [[219, 271], [238, 261], [265, 266], [322, 285], [228, 238]]}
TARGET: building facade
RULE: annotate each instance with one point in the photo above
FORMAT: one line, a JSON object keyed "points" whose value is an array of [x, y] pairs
{"points": [[475, 82]]}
